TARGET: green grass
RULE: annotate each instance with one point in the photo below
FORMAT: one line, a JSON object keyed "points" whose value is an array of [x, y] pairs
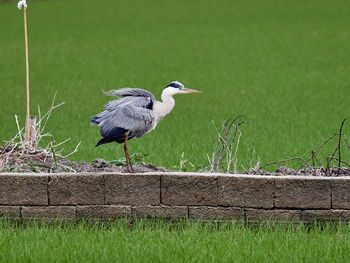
{"points": [[284, 64], [160, 241]]}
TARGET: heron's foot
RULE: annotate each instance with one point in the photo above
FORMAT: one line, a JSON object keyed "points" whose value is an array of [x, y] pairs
{"points": [[130, 169]]}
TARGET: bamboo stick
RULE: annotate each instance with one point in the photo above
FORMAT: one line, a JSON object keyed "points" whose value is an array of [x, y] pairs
{"points": [[27, 75]]}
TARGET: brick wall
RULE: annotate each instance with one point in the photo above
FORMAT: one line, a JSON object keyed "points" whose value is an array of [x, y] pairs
{"points": [[174, 195]]}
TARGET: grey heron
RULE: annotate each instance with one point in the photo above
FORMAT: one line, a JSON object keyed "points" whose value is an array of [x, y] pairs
{"points": [[135, 113]]}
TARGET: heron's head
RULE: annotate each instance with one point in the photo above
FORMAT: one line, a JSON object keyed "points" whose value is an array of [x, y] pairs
{"points": [[176, 87]]}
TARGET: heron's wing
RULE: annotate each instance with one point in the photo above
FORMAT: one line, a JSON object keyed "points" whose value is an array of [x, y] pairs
{"points": [[130, 113], [145, 102], [138, 120], [126, 92]]}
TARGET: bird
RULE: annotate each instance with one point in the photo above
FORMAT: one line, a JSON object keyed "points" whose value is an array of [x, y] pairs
{"points": [[134, 113]]}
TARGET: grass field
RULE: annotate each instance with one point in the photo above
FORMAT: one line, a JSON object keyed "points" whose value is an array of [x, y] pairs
{"points": [[158, 241], [284, 64]]}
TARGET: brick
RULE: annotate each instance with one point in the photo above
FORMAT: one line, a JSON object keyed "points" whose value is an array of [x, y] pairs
{"points": [[13, 212], [341, 193], [302, 193], [246, 192], [76, 189], [103, 212], [173, 212], [49, 212], [132, 189], [215, 213], [23, 190], [257, 215], [189, 190], [309, 216]]}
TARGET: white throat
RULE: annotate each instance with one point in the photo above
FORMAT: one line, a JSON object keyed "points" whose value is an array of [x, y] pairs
{"points": [[165, 106]]}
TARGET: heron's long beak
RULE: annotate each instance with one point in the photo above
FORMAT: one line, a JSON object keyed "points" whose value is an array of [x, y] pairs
{"points": [[192, 91]]}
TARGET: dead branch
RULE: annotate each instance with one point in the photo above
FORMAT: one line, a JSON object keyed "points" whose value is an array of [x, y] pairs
{"points": [[74, 151], [19, 131], [225, 150], [314, 152], [339, 144], [313, 157], [340, 161], [283, 161]]}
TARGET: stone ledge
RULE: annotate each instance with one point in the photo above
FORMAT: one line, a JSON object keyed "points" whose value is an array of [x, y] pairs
{"points": [[325, 215], [48, 212], [23, 189], [246, 192], [302, 193], [216, 213], [174, 195], [170, 212], [341, 193], [76, 189], [103, 212], [189, 190], [13, 212], [257, 215], [132, 189]]}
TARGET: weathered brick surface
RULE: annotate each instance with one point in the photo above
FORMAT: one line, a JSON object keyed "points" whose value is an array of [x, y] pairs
{"points": [[341, 193], [134, 189], [113, 196], [256, 215], [302, 193], [48, 212], [76, 189], [103, 211], [159, 211], [23, 190], [212, 212], [310, 215], [10, 211], [189, 190], [245, 191]]}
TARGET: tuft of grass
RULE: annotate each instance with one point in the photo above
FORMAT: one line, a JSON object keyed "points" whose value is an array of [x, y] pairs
{"points": [[179, 241], [184, 165]]}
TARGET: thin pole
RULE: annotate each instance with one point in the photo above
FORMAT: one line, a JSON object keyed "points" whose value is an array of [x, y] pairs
{"points": [[27, 75]]}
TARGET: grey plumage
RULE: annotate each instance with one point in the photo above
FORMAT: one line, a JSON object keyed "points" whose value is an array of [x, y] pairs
{"points": [[124, 92], [132, 112]]}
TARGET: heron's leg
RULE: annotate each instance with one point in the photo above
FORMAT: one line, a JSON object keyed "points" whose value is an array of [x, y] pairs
{"points": [[128, 162]]}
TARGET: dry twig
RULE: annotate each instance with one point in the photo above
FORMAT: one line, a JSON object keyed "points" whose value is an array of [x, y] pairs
{"points": [[328, 171], [225, 153], [28, 156]]}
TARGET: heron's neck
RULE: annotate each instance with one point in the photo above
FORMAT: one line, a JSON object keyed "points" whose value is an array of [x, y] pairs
{"points": [[165, 106]]}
